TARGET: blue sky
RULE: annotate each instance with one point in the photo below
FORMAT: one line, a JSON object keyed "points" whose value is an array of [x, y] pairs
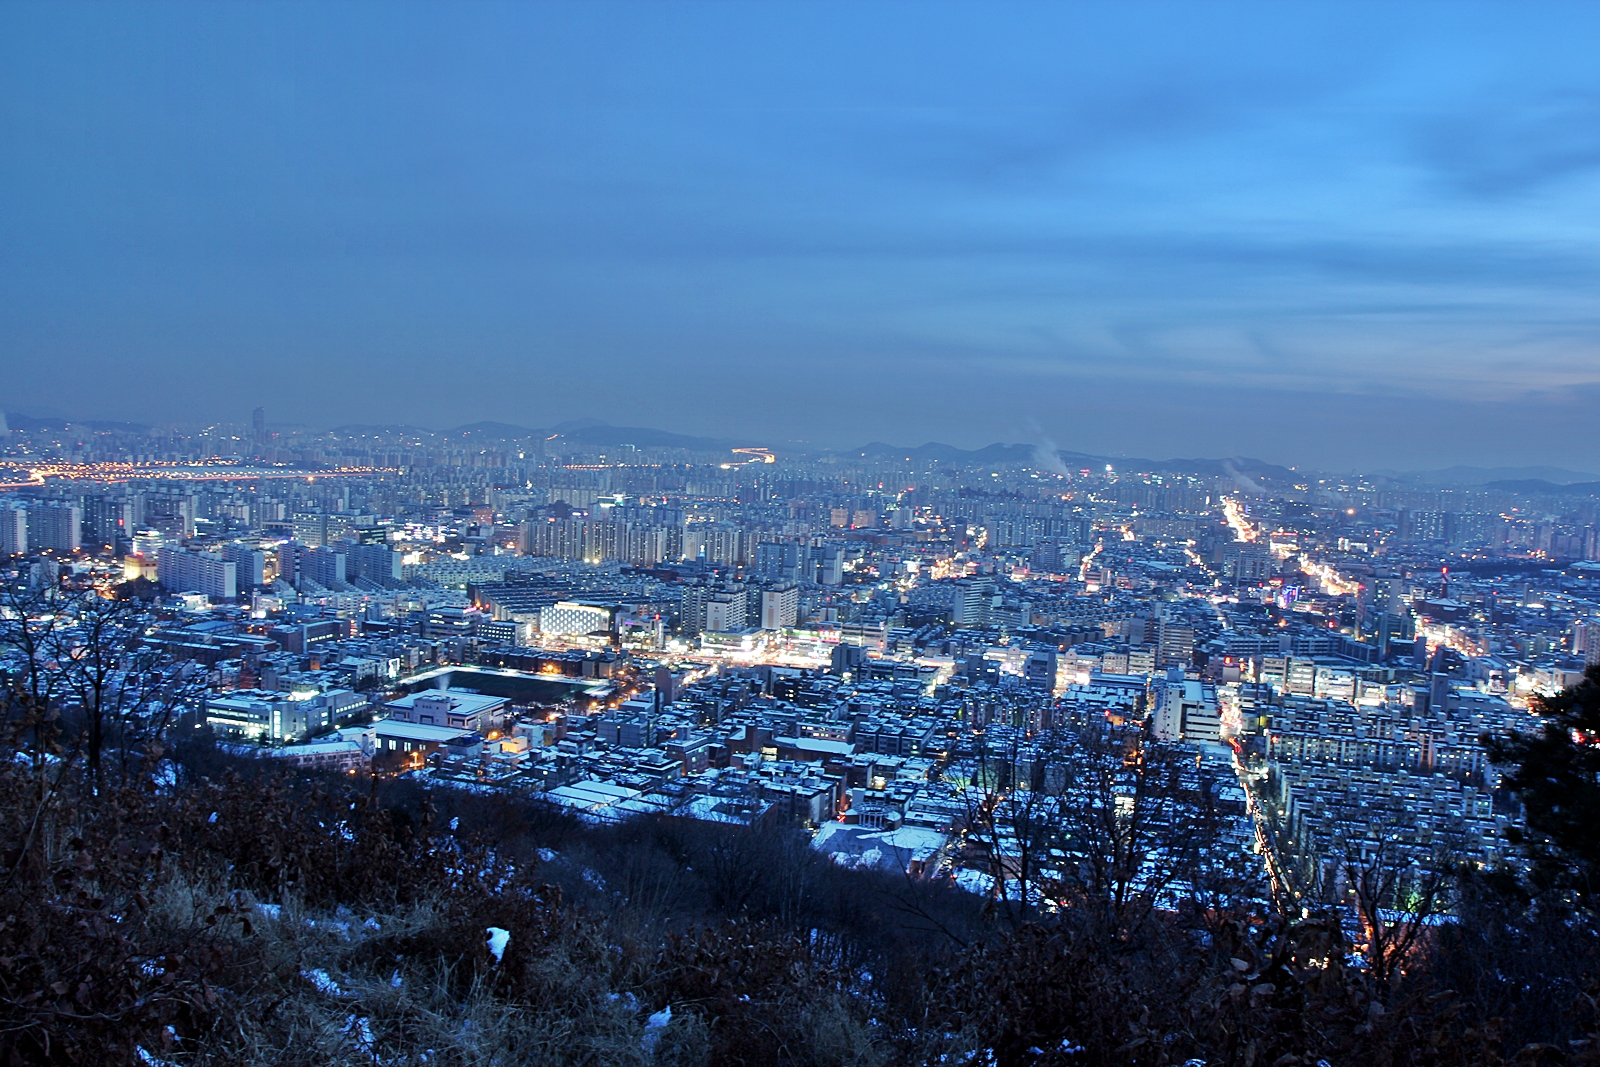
{"points": [[1334, 235]]}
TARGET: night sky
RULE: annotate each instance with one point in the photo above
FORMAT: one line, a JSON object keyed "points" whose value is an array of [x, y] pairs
{"points": [[1327, 235]]}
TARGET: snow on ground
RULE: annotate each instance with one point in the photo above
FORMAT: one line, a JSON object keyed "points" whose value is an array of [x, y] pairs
{"points": [[324, 983], [498, 940]]}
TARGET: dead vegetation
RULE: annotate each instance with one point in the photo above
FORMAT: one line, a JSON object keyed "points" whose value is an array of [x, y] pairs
{"points": [[185, 911]]}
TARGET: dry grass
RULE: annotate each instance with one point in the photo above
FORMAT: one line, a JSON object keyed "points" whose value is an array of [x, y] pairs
{"points": [[255, 923]]}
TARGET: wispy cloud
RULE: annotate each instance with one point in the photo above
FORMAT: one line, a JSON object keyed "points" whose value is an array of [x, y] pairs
{"points": [[1513, 144]]}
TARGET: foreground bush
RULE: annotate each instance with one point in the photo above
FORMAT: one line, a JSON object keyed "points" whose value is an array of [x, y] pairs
{"points": [[252, 919]]}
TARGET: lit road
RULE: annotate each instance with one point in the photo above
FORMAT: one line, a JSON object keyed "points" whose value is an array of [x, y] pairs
{"points": [[756, 455], [1282, 891], [1328, 577], [1243, 529], [186, 472]]}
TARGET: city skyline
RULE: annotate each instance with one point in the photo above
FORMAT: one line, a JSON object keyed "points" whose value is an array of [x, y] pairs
{"points": [[1035, 449], [1330, 237]]}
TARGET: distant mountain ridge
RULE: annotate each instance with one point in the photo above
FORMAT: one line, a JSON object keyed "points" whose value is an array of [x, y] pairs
{"points": [[1466, 475], [995, 453], [593, 432], [1241, 468], [17, 421], [373, 430], [503, 430], [1529, 486]]}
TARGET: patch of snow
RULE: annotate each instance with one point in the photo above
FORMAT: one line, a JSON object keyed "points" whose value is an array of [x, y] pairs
{"points": [[975, 881], [592, 876], [323, 982], [165, 776], [359, 1029], [498, 940], [455, 824], [653, 1026], [271, 911]]}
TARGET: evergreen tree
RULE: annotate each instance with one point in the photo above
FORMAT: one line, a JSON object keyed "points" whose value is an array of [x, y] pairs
{"points": [[1556, 775]]}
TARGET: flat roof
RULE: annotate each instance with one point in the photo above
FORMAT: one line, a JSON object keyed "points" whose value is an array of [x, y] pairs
{"points": [[1118, 681], [816, 744], [240, 698], [591, 794], [462, 702], [317, 748], [516, 685], [417, 731]]}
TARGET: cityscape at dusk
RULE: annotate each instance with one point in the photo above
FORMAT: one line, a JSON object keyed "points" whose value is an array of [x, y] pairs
{"points": [[700, 534]]}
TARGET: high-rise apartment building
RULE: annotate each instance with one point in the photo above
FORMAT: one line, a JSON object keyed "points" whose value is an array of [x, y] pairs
{"points": [[725, 611], [55, 527], [182, 571], [108, 519], [324, 566], [780, 607], [375, 562], [780, 561], [299, 564], [13, 530], [719, 609], [250, 564]]}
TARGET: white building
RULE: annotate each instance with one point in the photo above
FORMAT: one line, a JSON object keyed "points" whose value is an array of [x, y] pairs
{"points": [[575, 617], [260, 715], [1188, 712], [181, 571], [458, 709], [780, 607]]}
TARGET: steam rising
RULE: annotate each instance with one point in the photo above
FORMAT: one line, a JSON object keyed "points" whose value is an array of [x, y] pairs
{"points": [[1046, 456], [1242, 480]]}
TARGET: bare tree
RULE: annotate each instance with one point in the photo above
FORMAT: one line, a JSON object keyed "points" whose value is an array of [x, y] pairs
{"points": [[1008, 824], [30, 703], [33, 678], [1399, 890], [119, 694], [92, 643], [1102, 822]]}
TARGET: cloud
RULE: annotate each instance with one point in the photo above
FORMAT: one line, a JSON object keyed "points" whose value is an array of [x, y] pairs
{"points": [[1507, 147]]}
